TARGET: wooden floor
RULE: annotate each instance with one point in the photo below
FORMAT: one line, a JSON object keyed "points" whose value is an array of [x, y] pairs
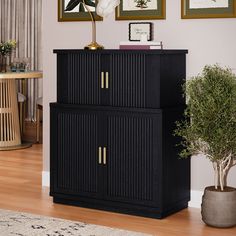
{"points": [[20, 190]]}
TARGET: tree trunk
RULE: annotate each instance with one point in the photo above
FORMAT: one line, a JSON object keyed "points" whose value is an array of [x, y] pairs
{"points": [[216, 178], [221, 170], [224, 168]]}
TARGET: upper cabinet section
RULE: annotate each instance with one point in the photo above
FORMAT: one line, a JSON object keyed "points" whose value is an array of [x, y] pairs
{"points": [[121, 78]]}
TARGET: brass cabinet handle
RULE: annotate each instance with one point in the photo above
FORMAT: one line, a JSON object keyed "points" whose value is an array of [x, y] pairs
{"points": [[104, 155], [107, 80], [100, 155], [102, 80]]}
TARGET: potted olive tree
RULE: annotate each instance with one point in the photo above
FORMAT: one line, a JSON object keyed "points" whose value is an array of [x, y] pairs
{"points": [[209, 128]]}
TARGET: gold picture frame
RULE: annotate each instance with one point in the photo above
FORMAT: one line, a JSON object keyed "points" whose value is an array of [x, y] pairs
{"points": [[73, 15], [133, 10], [197, 9]]}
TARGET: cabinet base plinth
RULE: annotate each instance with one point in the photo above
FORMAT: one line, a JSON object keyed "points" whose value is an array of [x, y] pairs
{"points": [[151, 212]]}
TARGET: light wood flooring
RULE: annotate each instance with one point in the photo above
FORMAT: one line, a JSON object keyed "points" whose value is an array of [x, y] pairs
{"points": [[20, 190]]}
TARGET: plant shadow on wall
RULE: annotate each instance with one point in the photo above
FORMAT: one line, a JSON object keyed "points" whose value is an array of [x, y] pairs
{"points": [[209, 129]]}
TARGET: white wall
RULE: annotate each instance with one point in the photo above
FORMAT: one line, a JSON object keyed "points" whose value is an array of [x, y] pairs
{"points": [[209, 41]]}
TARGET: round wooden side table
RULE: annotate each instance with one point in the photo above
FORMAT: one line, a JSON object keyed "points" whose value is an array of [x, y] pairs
{"points": [[10, 136]]}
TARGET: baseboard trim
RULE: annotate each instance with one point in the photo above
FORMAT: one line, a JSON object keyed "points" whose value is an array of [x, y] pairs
{"points": [[196, 196], [46, 178], [196, 199]]}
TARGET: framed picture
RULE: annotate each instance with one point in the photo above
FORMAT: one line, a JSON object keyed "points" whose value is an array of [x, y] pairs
{"points": [[140, 31], [141, 10], [208, 9], [74, 10]]}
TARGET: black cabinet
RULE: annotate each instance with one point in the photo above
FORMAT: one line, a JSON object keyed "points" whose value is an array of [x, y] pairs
{"points": [[141, 79], [109, 149]]}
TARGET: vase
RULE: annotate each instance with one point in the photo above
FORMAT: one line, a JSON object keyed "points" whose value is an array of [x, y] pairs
{"points": [[219, 208], [3, 64]]}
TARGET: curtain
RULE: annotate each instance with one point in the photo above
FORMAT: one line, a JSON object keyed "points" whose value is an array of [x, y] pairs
{"points": [[21, 20]]}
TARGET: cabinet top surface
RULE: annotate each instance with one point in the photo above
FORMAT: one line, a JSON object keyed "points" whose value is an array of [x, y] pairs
{"points": [[107, 51]]}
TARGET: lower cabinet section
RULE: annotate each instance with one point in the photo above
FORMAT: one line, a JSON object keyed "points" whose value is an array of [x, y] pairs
{"points": [[123, 160]]}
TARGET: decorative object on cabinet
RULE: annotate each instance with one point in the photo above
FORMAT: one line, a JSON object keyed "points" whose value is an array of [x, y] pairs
{"points": [[208, 9], [74, 10], [112, 146], [140, 31], [140, 45], [209, 129], [93, 45], [106, 7], [141, 10]]}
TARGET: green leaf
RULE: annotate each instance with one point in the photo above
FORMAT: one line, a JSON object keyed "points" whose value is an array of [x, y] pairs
{"points": [[81, 7], [210, 123], [72, 4], [90, 3]]}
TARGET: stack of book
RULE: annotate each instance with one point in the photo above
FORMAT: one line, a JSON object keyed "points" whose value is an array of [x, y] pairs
{"points": [[141, 45]]}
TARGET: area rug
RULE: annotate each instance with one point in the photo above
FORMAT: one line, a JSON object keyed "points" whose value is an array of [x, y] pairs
{"points": [[24, 224]]}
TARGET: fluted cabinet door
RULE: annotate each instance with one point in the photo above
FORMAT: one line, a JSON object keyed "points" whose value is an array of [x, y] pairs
{"points": [[74, 162], [127, 77], [79, 78], [132, 158]]}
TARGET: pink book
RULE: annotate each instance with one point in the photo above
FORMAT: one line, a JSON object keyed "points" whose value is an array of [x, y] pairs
{"points": [[134, 47], [140, 46]]}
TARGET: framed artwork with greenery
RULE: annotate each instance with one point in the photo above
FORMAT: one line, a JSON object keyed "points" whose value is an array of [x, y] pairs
{"points": [[74, 10], [141, 10], [208, 9]]}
